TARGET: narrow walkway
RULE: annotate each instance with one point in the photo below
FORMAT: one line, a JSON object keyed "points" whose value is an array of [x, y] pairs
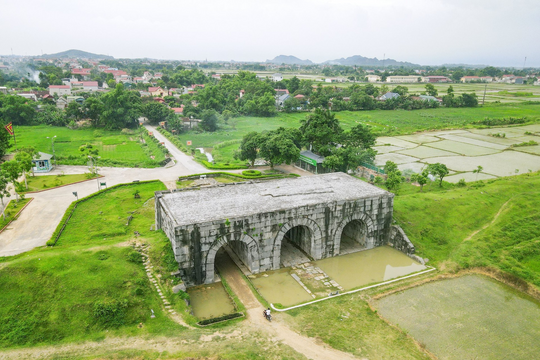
{"points": [[311, 348]]}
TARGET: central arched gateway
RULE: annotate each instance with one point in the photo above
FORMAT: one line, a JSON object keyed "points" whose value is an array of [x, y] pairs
{"points": [[254, 219]]}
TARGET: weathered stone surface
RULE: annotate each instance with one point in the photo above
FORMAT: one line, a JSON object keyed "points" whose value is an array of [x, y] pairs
{"points": [[253, 218]]}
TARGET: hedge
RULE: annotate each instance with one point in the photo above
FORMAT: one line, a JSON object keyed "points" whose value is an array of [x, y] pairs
{"points": [[212, 174], [221, 166], [69, 212], [251, 173], [173, 139], [220, 318]]}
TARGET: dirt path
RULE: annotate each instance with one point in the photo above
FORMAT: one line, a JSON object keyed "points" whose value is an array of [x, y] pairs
{"points": [[503, 206], [310, 347]]}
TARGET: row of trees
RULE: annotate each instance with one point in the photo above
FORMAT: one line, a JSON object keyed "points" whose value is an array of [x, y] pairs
{"points": [[394, 177], [319, 132]]}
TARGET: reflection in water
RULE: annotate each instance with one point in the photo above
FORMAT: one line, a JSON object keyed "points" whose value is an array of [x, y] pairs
{"points": [[210, 301], [370, 266], [280, 287]]}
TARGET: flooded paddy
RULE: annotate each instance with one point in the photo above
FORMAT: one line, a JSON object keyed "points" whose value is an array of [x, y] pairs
{"points": [[470, 317], [365, 267], [210, 301], [279, 287]]}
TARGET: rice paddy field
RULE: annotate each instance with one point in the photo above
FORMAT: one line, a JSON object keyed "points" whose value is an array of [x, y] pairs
{"points": [[470, 317], [115, 147], [464, 150]]}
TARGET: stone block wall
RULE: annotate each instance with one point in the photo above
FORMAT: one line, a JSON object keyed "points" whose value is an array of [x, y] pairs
{"points": [[195, 245]]}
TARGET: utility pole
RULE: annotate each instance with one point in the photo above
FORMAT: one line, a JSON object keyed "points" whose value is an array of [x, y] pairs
{"points": [[484, 99], [52, 144]]}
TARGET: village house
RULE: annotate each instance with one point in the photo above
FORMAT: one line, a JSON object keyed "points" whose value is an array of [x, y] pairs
{"points": [[387, 96], [373, 78], [59, 90], [467, 79], [85, 73], [156, 91], [85, 85], [61, 103], [436, 79], [277, 77], [403, 79]]}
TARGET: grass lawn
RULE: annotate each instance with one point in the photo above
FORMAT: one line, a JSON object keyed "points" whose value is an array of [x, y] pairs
{"points": [[115, 147], [104, 217], [11, 210], [391, 122], [36, 183]]}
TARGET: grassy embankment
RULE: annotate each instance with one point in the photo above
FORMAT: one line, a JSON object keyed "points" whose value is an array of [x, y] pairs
{"points": [[392, 122], [491, 224], [11, 210], [92, 286], [116, 148]]}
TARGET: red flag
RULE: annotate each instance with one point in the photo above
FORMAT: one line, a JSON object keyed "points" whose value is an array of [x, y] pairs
{"points": [[9, 128]]}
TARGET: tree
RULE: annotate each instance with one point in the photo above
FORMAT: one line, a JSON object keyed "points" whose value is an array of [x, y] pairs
{"points": [[430, 90], [360, 136], [394, 180], [15, 109], [294, 84], [469, 100], [450, 90], [321, 131], [477, 171], [156, 112], [12, 170], [5, 138], [121, 108], [401, 90], [278, 148], [439, 170], [421, 179], [209, 121], [25, 163], [390, 166], [4, 190], [249, 147], [93, 107]]}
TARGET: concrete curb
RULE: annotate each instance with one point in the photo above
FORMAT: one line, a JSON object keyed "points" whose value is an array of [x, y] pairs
{"points": [[56, 187], [16, 215], [352, 291]]}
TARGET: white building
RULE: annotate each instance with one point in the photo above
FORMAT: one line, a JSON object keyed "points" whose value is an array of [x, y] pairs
{"points": [[60, 90], [277, 77], [403, 79], [373, 78]]}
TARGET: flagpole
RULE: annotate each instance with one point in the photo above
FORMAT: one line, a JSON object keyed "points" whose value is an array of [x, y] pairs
{"points": [[14, 138]]}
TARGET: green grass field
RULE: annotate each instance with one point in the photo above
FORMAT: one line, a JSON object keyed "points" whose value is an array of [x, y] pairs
{"points": [[11, 210], [115, 148], [45, 182], [382, 122]]}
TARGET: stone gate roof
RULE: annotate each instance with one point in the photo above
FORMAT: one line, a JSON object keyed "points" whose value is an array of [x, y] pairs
{"points": [[246, 199]]}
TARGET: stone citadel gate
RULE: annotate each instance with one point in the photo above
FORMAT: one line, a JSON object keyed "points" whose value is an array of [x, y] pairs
{"points": [[254, 218]]}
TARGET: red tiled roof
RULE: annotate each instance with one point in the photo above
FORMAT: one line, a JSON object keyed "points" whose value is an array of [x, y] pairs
{"points": [[152, 89], [81, 71], [178, 110], [59, 87]]}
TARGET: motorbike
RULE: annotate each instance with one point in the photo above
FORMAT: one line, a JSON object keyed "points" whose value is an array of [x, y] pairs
{"points": [[267, 316]]}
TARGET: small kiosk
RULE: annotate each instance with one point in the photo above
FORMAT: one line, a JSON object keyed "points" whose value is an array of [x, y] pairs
{"points": [[42, 163], [311, 162]]}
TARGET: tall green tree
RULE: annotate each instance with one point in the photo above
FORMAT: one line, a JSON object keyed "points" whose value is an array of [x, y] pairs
{"points": [[16, 109], [156, 112], [4, 190], [321, 131], [12, 170], [249, 148], [439, 170], [209, 120], [25, 163], [431, 90], [278, 148], [121, 108]]}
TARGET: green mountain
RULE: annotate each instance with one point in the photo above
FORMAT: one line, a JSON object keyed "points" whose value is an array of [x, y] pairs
{"points": [[364, 61], [289, 60], [78, 54]]}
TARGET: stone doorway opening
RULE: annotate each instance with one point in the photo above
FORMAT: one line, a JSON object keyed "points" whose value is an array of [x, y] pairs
{"points": [[244, 256], [353, 237], [296, 246]]}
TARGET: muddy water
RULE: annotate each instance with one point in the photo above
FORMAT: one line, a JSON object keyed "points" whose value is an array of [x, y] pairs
{"points": [[370, 266], [210, 301], [279, 287]]}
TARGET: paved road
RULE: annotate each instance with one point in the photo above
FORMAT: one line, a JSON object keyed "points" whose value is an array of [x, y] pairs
{"points": [[39, 220]]}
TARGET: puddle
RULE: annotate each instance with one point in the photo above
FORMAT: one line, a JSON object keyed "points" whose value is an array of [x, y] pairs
{"points": [[280, 287], [210, 301], [370, 266]]}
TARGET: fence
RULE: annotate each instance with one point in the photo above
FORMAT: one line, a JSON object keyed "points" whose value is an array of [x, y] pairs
{"points": [[373, 167]]}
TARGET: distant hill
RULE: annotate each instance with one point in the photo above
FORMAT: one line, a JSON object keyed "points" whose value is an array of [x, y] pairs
{"points": [[364, 61], [289, 60], [79, 54]]}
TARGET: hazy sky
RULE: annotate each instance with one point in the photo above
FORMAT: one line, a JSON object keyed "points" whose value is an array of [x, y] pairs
{"points": [[494, 32]]}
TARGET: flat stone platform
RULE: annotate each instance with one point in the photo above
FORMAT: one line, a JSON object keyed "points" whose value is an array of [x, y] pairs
{"points": [[245, 199]]}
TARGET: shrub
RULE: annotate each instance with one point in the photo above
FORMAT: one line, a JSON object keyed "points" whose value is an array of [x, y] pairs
{"points": [[221, 318], [251, 173], [462, 183], [110, 313], [134, 257]]}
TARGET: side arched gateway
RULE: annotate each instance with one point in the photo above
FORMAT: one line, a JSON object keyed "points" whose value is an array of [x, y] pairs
{"points": [[359, 227], [246, 248], [305, 233]]}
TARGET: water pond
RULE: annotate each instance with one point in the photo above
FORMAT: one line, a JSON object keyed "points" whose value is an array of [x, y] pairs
{"points": [[210, 301]]}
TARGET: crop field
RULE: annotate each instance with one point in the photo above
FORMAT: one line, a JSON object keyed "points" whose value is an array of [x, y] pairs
{"points": [[115, 148], [383, 123], [466, 318], [462, 151]]}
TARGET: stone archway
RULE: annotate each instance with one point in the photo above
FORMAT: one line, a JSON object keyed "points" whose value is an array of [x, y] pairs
{"points": [[357, 220], [251, 256], [316, 248]]}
